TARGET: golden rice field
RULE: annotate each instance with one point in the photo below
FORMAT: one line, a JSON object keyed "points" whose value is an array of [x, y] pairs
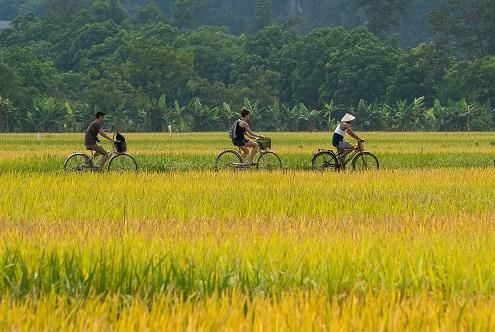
{"points": [[197, 151], [409, 247]]}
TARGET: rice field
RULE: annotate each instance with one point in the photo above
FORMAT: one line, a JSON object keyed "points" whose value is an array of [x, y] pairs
{"points": [[410, 247], [197, 151]]}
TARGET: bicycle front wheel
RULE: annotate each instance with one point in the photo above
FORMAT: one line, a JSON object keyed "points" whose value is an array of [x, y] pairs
{"points": [[77, 162], [122, 163], [325, 161], [365, 161], [269, 161], [227, 160]]}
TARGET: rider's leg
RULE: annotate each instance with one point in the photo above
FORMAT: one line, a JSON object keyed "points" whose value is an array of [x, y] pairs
{"points": [[345, 148], [94, 153], [255, 148], [101, 151], [244, 151], [344, 153]]}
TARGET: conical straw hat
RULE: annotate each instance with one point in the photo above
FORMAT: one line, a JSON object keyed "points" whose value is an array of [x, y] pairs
{"points": [[348, 118]]}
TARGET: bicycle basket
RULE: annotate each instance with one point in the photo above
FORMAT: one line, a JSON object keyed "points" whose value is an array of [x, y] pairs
{"points": [[120, 144], [265, 143]]}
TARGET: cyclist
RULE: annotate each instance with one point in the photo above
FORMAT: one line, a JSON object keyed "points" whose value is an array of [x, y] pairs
{"points": [[344, 147], [91, 138], [243, 133]]}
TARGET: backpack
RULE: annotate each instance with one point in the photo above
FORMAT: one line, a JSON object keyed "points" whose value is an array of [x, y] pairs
{"points": [[233, 130], [120, 144]]}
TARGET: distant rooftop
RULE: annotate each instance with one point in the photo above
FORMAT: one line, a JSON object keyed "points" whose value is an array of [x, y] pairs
{"points": [[4, 24]]}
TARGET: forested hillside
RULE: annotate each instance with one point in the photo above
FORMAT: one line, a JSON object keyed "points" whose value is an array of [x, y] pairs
{"points": [[408, 19], [155, 64]]}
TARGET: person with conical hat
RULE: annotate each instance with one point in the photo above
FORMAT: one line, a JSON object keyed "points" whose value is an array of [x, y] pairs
{"points": [[343, 128]]}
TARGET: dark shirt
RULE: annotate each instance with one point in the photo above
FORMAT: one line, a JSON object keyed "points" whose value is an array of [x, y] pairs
{"points": [[239, 132], [92, 133]]}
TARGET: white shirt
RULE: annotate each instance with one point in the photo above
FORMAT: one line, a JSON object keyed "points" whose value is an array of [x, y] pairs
{"points": [[340, 131]]}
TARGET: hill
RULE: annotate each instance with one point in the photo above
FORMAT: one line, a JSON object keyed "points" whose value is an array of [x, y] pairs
{"points": [[408, 19]]}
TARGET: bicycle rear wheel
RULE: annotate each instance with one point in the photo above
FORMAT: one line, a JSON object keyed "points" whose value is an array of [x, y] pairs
{"points": [[269, 161], [228, 159], [122, 163], [77, 162], [365, 161], [325, 160]]}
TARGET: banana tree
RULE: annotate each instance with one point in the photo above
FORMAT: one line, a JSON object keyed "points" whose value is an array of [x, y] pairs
{"points": [[228, 114], [465, 114], [6, 114], [405, 116], [204, 118], [371, 116], [178, 117], [46, 115]]}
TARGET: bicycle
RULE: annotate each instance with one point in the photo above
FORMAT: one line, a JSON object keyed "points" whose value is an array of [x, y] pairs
{"points": [[324, 159], [266, 159], [119, 160]]}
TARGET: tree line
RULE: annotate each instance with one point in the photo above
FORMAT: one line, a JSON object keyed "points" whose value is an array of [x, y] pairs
{"points": [[407, 18], [147, 72]]}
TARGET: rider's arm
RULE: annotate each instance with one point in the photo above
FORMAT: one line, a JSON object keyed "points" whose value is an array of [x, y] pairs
{"points": [[249, 133], [104, 134], [353, 135]]}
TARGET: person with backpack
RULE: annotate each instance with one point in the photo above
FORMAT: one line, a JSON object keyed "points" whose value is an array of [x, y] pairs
{"points": [[240, 133]]}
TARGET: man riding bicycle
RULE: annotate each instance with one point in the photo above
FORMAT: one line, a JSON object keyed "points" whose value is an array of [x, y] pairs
{"points": [[91, 138], [242, 130], [345, 126]]}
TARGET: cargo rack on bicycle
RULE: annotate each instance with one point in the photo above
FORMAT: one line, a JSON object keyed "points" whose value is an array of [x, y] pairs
{"points": [[265, 143]]}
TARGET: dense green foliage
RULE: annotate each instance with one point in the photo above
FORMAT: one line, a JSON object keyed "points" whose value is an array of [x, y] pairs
{"points": [[406, 18], [152, 66]]}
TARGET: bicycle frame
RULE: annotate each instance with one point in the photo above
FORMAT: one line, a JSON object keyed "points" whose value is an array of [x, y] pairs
{"points": [[255, 155], [112, 152], [342, 162], [257, 160], [89, 159], [350, 156], [239, 151]]}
